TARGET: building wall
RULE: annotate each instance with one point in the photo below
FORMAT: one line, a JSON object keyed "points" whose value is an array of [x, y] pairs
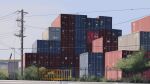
{"points": [[141, 25]]}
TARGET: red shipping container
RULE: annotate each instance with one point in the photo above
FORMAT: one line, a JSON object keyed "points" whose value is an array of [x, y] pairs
{"points": [[141, 25], [97, 45], [92, 36]]}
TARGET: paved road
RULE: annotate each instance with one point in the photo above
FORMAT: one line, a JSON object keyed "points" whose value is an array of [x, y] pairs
{"points": [[50, 82]]}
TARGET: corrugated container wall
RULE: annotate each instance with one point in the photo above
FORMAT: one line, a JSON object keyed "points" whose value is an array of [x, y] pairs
{"points": [[105, 22], [52, 33], [97, 45], [111, 59], [46, 46], [141, 25], [83, 64], [80, 34], [91, 64], [46, 60], [134, 41], [109, 41]]}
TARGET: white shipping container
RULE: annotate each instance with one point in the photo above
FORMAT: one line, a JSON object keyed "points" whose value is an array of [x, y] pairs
{"points": [[83, 64], [134, 41], [129, 42]]}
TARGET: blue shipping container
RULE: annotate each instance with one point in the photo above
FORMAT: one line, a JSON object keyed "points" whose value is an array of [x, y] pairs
{"points": [[46, 46], [91, 64]]}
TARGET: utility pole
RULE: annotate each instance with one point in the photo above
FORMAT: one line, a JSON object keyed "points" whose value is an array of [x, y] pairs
{"points": [[21, 35]]}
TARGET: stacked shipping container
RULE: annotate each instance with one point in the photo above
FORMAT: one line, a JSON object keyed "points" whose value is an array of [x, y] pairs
{"points": [[141, 25], [80, 34], [111, 59], [46, 46], [52, 33], [135, 41], [46, 60], [69, 36], [107, 42], [91, 64]]}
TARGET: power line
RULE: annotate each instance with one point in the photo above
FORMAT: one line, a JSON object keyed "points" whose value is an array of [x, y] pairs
{"points": [[36, 27], [118, 10], [130, 20], [7, 16], [41, 15], [114, 10], [4, 34]]}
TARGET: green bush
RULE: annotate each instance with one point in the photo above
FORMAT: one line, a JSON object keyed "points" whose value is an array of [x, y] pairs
{"points": [[3, 76], [31, 73]]}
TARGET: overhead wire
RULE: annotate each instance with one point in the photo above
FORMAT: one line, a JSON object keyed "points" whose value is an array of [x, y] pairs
{"points": [[131, 20], [8, 15], [36, 27], [118, 10], [114, 10]]}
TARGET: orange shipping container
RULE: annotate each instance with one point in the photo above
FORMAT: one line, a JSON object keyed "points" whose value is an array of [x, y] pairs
{"points": [[141, 25]]}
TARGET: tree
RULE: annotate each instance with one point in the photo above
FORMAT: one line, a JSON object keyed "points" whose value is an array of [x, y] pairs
{"points": [[31, 73], [134, 63]]}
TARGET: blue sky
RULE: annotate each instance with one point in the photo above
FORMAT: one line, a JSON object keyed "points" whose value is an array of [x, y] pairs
{"points": [[44, 7]]}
